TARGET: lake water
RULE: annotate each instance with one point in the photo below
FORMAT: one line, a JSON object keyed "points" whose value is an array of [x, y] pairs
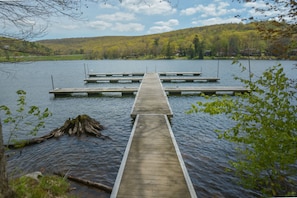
{"points": [[205, 156]]}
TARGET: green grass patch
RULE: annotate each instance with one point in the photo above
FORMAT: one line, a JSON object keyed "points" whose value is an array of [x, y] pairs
{"points": [[47, 187], [42, 58]]}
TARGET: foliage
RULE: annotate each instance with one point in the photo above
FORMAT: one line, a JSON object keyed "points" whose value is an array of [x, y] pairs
{"points": [[225, 40], [47, 186], [222, 40], [276, 20], [29, 19], [14, 50], [23, 116], [265, 131]]}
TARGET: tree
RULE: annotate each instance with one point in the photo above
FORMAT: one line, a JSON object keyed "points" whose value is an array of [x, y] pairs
{"points": [[196, 44], [5, 191], [265, 131], [28, 19], [17, 120], [169, 50], [24, 20], [282, 17]]}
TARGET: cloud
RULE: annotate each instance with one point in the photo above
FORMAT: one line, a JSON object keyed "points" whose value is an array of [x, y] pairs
{"points": [[149, 7], [171, 22], [70, 27], [163, 26], [215, 20], [210, 10], [107, 6], [118, 16], [128, 27], [99, 25]]}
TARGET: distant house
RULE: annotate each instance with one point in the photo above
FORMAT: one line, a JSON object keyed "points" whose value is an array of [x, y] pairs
{"points": [[207, 53], [250, 52]]}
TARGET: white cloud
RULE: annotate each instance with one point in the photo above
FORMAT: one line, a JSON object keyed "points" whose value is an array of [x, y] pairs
{"points": [[107, 6], [214, 9], [100, 25], [70, 27], [171, 22], [118, 16], [149, 7], [159, 29], [163, 26], [267, 14], [216, 20], [128, 27], [189, 11]]}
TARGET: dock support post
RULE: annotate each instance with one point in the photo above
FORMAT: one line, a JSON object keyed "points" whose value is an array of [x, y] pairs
{"points": [[52, 82], [85, 70]]}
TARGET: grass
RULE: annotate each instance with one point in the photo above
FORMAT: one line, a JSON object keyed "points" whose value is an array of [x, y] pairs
{"points": [[47, 187], [42, 58]]}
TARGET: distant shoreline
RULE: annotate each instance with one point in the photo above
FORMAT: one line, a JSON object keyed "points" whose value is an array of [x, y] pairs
{"points": [[82, 57]]}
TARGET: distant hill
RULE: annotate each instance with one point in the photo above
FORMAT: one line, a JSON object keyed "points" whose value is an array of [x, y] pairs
{"points": [[10, 49], [224, 40]]}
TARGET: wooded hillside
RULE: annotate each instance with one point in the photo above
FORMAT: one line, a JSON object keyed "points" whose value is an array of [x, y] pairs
{"points": [[225, 40], [216, 40]]}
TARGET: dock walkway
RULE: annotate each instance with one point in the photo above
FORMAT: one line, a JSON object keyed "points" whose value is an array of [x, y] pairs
{"points": [[151, 98], [152, 164]]}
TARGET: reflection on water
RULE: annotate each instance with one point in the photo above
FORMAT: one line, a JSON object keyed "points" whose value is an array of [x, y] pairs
{"points": [[205, 156]]}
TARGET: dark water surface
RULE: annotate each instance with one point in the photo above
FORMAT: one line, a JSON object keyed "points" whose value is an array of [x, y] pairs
{"points": [[98, 160]]}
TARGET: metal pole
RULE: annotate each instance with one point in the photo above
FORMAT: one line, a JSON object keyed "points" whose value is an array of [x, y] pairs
{"points": [[85, 70], [250, 67], [52, 82], [218, 68]]}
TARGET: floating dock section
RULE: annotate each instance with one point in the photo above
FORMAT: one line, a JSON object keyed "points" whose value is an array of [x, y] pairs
{"points": [[162, 78], [152, 164]]}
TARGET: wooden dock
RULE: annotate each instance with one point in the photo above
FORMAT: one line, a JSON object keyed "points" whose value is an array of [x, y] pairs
{"points": [[142, 74], [189, 79], [113, 79], [162, 78], [116, 74], [151, 98], [93, 91], [152, 164], [207, 90], [179, 73]]}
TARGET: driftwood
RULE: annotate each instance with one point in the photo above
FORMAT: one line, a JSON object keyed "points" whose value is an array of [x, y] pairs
{"points": [[82, 124], [100, 186]]}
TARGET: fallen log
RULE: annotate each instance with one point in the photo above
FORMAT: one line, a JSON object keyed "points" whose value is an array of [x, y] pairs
{"points": [[97, 185], [81, 125]]}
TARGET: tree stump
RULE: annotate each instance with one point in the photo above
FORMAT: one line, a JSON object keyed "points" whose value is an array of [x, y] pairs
{"points": [[81, 125]]}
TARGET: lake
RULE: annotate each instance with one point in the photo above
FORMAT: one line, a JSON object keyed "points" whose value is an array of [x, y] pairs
{"points": [[205, 156]]}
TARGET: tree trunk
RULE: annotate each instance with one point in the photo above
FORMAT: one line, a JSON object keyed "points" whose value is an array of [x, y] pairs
{"points": [[97, 185], [5, 191], [81, 125]]}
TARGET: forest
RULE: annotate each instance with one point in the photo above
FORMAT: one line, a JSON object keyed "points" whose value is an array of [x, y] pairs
{"points": [[224, 40]]}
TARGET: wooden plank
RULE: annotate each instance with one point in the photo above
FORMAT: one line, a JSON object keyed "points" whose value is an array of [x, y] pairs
{"points": [[69, 91], [152, 165], [207, 89], [113, 79], [179, 73], [169, 90], [163, 79], [189, 79], [116, 74], [151, 98]]}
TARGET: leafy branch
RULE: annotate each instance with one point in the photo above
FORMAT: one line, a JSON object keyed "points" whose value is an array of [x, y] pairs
{"points": [[265, 131], [31, 116]]}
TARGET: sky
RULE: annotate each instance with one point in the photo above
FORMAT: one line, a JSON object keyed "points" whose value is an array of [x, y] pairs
{"points": [[143, 17]]}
